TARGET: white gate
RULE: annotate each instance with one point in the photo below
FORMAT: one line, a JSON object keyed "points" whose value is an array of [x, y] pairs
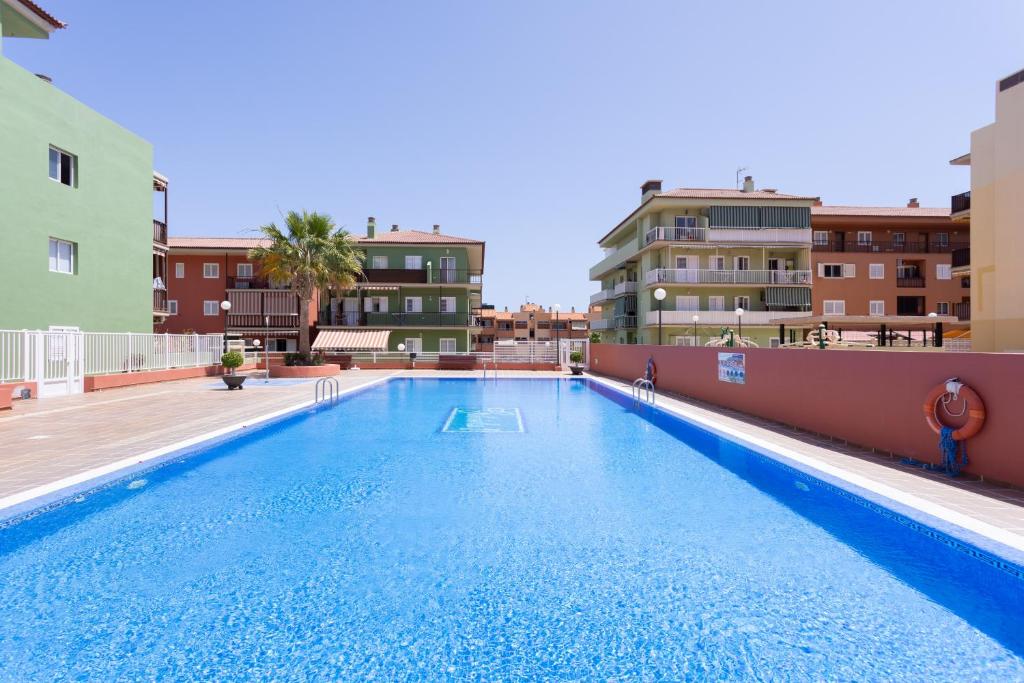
{"points": [[567, 346], [59, 354]]}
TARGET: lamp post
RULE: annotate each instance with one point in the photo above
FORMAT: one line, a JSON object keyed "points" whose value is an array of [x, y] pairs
{"points": [[695, 319], [739, 318], [659, 294], [225, 306], [556, 308], [936, 331], [266, 344]]}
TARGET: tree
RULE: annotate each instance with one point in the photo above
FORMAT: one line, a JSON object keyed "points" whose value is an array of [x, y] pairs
{"points": [[312, 254]]}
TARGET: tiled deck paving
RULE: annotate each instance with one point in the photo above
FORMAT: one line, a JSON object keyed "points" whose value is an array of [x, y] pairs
{"points": [[45, 441]]}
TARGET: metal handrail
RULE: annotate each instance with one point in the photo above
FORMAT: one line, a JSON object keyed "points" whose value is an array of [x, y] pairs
{"points": [[646, 386], [326, 389]]}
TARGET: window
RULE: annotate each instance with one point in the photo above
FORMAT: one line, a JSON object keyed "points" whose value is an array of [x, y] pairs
{"points": [[211, 307], [447, 304], [716, 303], [942, 307], [776, 264], [179, 270], [773, 342], [447, 345], [942, 239], [62, 166], [375, 304], [687, 303], [943, 271], [414, 263], [172, 307], [876, 308], [413, 345], [830, 269], [687, 262], [899, 238], [834, 307], [62, 256], [821, 237], [413, 304], [716, 263], [863, 237], [379, 262], [876, 271], [741, 302], [741, 263], [686, 221], [211, 270], [243, 270]]}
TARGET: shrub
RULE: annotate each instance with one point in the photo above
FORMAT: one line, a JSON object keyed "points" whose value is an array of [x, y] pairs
{"points": [[576, 357], [595, 337], [232, 359], [303, 359]]}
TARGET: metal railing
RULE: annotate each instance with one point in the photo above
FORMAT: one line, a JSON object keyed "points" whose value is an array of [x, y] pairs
{"points": [[716, 318], [159, 232], [643, 390], [962, 311], [502, 352], [423, 276], [962, 257], [676, 235], [159, 301], [432, 319], [887, 246], [625, 321], [910, 281], [728, 277], [603, 295], [624, 288], [326, 389], [960, 202]]}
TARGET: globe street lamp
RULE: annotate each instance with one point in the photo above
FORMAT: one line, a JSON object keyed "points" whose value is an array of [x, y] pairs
{"points": [[225, 306], [660, 295], [695, 319], [739, 317]]}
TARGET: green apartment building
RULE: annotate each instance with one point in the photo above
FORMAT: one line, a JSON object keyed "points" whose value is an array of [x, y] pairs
{"points": [[422, 288], [76, 203], [711, 251]]}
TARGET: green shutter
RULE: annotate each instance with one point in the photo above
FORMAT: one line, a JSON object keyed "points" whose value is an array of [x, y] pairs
{"points": [[779, 298]]}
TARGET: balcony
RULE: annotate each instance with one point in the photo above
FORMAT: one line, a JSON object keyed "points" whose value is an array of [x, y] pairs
{"points": [[625, 288], [962, 258], [962, 311], [800, 236], [423, 276], [910, 281], [160, 301], [885, 247], [675, 235], [614, 260], [960, 204], [252, 309], [727, 277], [601, 324], [603, 295], [716, 318], [159, 232], [623, 322], [249, 283]]}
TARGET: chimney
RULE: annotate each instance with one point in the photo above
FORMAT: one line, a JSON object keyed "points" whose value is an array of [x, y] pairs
{"points": [[394, 227], [437, 229], [371, 227], [748, 183], [913, 203], [649, 188], [817, 201]]}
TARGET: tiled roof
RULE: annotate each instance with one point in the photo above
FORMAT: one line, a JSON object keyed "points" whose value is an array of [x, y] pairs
{"points": [[415, 237], [42, 14], [217, 242], [906, 211], [713, 193]]}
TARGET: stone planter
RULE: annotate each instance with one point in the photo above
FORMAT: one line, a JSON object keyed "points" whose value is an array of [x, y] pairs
{"points": [[576, 369], [233, 381]]}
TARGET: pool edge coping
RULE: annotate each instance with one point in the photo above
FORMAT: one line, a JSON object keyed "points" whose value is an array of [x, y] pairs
{"points": [[25, 502], [1006, 545]]}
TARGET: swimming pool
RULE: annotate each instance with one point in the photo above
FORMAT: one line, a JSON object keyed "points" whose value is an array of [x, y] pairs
{"points": [[515, 529]]}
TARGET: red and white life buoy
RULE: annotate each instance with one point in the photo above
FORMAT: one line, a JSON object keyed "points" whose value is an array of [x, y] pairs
{"points": [[975, 409]]}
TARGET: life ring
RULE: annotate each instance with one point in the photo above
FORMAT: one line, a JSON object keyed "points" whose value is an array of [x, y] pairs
{"points": [[975, 410], [652, 371]]}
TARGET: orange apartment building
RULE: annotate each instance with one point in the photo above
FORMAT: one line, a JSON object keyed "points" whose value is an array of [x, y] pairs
{"points": [[532, 322], [204, 272], [887, 262]]}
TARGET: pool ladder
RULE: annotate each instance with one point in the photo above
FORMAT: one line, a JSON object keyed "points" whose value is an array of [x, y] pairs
{"points": [[326, 389], [643, 390], [494, 370]]}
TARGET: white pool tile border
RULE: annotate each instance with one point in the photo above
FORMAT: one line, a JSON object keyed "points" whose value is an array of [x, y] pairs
{"points": [[24, 502], [816, 467]]}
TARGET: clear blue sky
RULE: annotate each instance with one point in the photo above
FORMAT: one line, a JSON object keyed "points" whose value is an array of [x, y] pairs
{"points": [[531, 124]]}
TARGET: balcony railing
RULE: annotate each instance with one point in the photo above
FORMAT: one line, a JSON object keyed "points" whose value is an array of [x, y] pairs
{"points": [[422, 276], [676, 235], [234, 282], [352, 319], [625, 321], [962, 311], [159, 232], [715, 318], [159, 301], [962, 257], [960, 202], [625, 288], [614, 259], [601, 324], [728, 277], [911, 281], [252, 308], [715, 235], [603, 295], [883, 247]]}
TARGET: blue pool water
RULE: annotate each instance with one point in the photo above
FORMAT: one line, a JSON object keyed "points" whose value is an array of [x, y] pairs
{"points": [[551, 532]]}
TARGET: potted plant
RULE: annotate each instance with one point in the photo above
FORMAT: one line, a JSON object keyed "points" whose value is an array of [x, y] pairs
{"points": [[230, 361], [575, 358]]}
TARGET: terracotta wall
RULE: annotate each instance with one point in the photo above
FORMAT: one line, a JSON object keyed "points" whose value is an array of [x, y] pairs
{"points": [[869, 398]]}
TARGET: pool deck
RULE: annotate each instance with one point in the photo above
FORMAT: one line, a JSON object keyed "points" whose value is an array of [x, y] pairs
{"points": [[49, 443]]}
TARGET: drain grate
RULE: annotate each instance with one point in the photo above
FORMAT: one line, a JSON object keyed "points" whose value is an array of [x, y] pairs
{"points": [[484, 420]]}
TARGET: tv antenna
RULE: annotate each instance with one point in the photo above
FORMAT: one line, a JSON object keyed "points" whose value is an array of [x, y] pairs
{"points": [[739, 170]]}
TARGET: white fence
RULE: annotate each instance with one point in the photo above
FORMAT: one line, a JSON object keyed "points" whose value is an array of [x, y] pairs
{"points": [[58, 360]]}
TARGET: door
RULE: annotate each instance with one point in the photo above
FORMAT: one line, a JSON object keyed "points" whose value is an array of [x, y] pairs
{"points": [[448, 269], [59, 361], [414, 345], [350, 311]]}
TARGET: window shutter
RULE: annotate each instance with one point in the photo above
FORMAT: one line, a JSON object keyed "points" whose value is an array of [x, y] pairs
{"points": [[368, 305], [383, 304], [849, 270], [821, 270]]}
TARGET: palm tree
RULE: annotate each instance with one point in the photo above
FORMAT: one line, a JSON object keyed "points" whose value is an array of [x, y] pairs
{"points": [[313, 254]]}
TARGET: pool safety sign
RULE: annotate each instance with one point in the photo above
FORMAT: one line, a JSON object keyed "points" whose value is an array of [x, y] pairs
{"points": [[732, 368]]}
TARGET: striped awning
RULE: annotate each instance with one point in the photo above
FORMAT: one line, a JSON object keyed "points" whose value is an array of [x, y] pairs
{"points": [[352, 340], [787, 296]]}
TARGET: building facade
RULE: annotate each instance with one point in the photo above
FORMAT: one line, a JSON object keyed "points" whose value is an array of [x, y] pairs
{"points": [[423, 288], [532, 322], [205, 272], [76, 190], [995, 208], [887, 261], [711, 252]]}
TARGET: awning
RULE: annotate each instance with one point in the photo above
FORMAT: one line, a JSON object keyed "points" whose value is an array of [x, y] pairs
{"points": [[352, 340], [779, 297]]}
